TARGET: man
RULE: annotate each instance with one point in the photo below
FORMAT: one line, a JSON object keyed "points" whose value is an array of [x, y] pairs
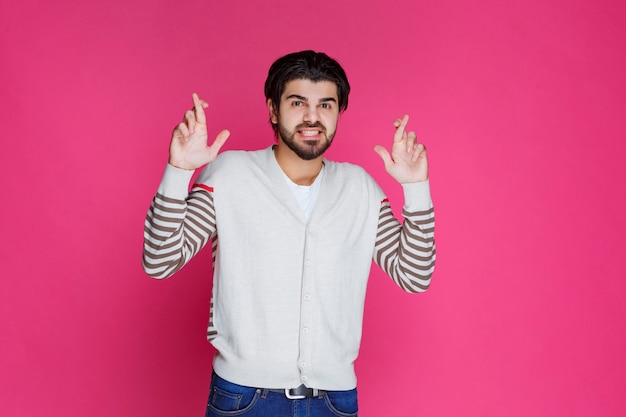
{"points": [[293, 236]]}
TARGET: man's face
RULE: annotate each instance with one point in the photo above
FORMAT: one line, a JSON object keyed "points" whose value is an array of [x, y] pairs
{"points": [[307, 118]]}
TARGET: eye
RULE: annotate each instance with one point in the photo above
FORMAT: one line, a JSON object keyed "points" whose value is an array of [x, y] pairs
{"points": [[326, 106], [297, 103]]}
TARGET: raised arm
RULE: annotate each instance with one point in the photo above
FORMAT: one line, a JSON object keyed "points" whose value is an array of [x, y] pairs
{"points": [[406, 252], [178, 223]]}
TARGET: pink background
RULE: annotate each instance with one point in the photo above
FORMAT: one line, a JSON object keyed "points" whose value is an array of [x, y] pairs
{"points": [[521, 105]]}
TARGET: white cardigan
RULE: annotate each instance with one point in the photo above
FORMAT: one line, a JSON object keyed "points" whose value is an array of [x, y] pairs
{"points": [[288, 294]]}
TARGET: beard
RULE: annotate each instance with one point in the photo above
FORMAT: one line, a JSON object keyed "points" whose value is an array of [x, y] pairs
{"points": [[309, 149]]}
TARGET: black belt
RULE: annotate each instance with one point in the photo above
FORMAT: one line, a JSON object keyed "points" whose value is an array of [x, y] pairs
{"points": [[298, 393]]}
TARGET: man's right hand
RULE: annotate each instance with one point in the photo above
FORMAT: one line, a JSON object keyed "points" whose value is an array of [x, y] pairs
{"points": [[189, 149]]}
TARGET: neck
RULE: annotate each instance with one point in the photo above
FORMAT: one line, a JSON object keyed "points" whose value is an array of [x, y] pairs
{"points": [[299, 171]]}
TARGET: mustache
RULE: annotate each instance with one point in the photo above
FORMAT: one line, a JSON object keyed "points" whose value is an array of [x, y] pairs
{"points": [[311, 125]]}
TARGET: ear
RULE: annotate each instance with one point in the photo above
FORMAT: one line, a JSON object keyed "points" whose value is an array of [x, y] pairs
{"points": [[273, 115]]}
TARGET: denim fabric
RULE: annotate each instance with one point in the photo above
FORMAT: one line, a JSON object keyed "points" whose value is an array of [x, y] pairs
{"points": [[228, 399]]}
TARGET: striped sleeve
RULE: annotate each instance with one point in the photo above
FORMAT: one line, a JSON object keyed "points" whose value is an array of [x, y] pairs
{"points": [[406, 252], [176, 229]]}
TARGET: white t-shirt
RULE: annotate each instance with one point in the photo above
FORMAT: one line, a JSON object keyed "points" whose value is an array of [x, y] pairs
{"points": [[306, 195]]}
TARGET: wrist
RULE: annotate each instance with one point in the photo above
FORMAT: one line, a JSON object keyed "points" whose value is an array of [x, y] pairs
{"points": [[180, 165], [413, 181]]}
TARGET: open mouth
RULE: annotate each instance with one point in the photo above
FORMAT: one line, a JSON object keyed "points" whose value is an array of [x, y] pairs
{"points": [[310, 134]]}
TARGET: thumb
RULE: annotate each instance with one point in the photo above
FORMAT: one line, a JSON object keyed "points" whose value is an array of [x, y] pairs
{"points": [[220, 139], [384, 154]]}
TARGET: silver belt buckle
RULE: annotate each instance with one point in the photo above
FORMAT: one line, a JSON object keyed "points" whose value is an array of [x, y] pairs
{"points": [[299, 397], [293, 397]]}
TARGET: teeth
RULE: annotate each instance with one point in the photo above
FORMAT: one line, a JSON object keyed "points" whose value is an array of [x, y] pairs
{"points": [[309, 133]]}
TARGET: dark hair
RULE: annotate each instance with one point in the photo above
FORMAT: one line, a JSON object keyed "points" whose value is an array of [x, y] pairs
{"points": [[307, 65]]}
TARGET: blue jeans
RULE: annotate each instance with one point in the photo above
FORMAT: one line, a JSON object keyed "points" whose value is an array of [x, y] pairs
{"points": [[228, 399]]}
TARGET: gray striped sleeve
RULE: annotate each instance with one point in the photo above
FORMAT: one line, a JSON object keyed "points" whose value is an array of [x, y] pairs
{"points": [[406, 252], [175, 230]]}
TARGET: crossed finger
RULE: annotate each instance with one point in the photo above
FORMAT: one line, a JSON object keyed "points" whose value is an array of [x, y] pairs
{"points": [[198, 108], [196, 114], [400, 133]]}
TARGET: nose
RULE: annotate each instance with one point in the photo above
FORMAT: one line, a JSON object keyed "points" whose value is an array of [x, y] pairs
{"points": [[310, 115]]}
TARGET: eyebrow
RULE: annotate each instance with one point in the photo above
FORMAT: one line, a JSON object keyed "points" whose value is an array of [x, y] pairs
{"points": [[323, 100]]}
